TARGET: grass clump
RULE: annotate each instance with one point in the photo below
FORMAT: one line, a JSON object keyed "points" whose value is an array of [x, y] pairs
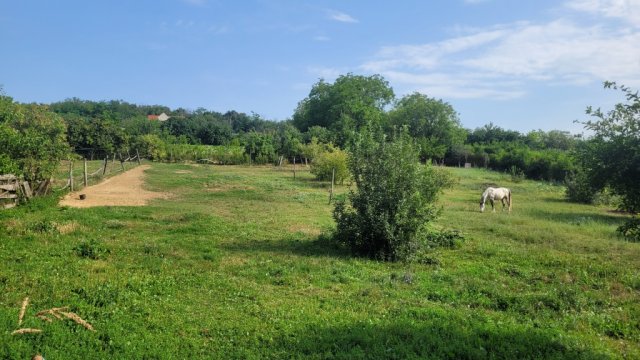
{"points": [[91, 249]]}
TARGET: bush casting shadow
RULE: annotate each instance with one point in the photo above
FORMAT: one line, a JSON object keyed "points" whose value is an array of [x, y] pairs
{"points": [[433, 338], [578, 218], [321, 246]]}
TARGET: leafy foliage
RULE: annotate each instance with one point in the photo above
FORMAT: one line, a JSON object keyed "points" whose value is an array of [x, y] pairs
{"points": [[612, 157], [325, 162], [393, 201], [32, 140], [630, 230], [433, 123], [349, 104]]}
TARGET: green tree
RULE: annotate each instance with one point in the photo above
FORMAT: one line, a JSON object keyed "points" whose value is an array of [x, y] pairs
{"points": [[434, 123], [611, 158], [394, 199], [349, 104], [32, 140]]}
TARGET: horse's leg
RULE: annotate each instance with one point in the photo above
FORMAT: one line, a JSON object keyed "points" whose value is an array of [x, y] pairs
{"points": [[502, 201], [493, 208]]}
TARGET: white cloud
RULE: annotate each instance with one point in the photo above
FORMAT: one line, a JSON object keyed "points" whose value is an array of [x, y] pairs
{"points": [[341, 17], [628, 10], [327, 73], [321, 38], [499, 61]]}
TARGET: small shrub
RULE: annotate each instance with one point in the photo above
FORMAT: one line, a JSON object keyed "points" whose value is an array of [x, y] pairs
{"points": [[91, 249], [325, 162], [43, 227], [444, 239], [517, 175], [630, 230], [578, 188]]}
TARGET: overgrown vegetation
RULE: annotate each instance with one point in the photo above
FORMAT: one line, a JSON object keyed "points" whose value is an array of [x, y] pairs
{"points": [[611, 158], [387, 213], [32, 140]]}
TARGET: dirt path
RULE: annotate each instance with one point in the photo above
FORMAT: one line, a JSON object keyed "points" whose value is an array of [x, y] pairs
{"points": [[120, 190]]}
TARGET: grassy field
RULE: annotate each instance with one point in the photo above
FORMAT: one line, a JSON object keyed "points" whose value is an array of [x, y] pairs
{"points": [[234, 266]]}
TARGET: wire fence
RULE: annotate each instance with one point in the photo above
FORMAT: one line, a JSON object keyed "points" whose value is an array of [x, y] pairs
{"points": [[74, 175]]}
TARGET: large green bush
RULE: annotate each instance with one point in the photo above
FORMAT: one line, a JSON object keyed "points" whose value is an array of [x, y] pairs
{"points": [[32, 140], [386, 215]]}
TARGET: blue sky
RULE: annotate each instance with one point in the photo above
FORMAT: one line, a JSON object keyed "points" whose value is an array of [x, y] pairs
{"points": [[521, 64]]}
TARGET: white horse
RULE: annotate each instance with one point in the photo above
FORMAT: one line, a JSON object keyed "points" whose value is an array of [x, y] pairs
{"points": [[502, 194]]}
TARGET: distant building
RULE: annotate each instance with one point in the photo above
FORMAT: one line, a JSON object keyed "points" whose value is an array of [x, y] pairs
{"points": [[161, 117]]}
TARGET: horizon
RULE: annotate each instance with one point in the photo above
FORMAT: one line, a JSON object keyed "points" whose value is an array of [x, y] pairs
{"points": [[521, 66]]}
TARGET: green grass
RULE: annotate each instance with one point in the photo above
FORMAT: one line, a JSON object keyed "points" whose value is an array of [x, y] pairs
{"points": [[234, 265]]}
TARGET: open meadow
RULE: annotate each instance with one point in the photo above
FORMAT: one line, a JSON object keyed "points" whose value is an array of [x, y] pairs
{"points": [[236, 264]]}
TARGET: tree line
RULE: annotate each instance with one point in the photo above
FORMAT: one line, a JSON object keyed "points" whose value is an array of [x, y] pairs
{"points": [[328, 118]]}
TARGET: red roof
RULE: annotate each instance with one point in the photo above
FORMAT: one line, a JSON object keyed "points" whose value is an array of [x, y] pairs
{"points": [[152, 117]]}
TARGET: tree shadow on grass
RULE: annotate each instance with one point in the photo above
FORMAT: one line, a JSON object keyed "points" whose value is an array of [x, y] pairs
{"points": [[436, 337], [322, 246], [578, 218]]}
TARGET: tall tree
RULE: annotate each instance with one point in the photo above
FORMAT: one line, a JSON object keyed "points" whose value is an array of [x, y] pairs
{"points": [[434, 123], [612, 157], [349, 104]]}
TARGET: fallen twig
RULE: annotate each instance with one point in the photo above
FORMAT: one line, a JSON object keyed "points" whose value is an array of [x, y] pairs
{"points": [[77, 319], [26, 331], [23, 309], [44, 317], [53, 311]]}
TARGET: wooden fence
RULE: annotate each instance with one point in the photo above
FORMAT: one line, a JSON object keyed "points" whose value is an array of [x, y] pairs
{"points": [[12, 189], [107, 167]]}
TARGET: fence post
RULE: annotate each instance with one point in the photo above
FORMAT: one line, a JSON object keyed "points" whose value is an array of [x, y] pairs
{"points": [[333, 176], [121, 161], [86, 180], [106, 160], [138, 156], [294, 167], [71, 175]]}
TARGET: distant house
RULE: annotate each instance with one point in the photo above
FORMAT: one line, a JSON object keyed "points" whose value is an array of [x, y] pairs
{"points": [[161, 117]]}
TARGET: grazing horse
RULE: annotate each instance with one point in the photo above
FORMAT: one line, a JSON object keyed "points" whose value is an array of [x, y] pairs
{"points": [[502, 194]]}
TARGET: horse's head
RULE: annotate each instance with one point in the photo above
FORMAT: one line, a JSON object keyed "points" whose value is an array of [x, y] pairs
{"points": [[481, 206]]}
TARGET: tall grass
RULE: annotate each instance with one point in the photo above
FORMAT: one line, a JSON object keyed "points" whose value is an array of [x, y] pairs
{"points": [[226, 155]]}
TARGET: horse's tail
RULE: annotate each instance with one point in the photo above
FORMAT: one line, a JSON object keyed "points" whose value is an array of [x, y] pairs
{"points": [[509, 200]]}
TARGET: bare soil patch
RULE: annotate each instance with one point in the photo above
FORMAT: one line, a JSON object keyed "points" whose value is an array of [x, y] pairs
{"points": [[120, 190]]}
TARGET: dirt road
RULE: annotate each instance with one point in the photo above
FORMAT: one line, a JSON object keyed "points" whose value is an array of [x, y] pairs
{"points": [[120, 190]]}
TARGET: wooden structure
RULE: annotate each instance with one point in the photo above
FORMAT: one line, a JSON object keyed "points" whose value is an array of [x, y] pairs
{"points": [[12, 189]]}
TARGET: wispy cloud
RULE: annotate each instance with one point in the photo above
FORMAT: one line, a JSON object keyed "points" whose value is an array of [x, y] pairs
{"points": [[341, 17], [628, 10], [321, 38], [500, 61], [327, 73]]}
